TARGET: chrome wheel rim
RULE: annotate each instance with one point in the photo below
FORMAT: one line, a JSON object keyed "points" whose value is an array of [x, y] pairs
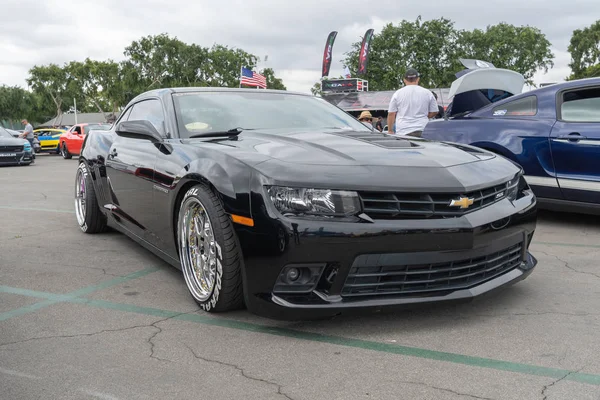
{"points": [[80, 192], [198, 250], [64, 151]]}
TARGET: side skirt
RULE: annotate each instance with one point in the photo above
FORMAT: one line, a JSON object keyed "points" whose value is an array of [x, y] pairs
{"points": [[568, 206]]}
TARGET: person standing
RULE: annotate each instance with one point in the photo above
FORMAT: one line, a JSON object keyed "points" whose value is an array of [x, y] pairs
{"points": [[27, 132], [379, 124], [411, 107]]}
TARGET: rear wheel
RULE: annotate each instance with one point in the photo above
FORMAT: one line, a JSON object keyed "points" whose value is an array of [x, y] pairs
{"points": [[89, 216], [65, 152], [210, 254]]}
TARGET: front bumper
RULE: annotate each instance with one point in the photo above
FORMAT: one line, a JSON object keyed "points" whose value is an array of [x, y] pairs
{"points": [[16, 158], [475, 254]]}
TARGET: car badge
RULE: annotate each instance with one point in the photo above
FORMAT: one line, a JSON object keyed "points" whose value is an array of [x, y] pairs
{"points": [[499, 195], [463, 202]]}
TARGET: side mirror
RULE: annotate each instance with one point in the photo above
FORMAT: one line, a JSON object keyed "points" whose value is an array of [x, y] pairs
{"points": [[140, 129]]}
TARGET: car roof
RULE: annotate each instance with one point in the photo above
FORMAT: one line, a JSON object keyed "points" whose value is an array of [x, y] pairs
{"points": [[165, 91], [542, 92]]}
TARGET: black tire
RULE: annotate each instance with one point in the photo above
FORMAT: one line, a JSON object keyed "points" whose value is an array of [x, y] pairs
{"points": [[89, 218], [65, 152], [226, 293]]}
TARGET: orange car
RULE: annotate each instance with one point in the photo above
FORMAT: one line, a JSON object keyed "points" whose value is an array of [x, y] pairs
{"points": [[71, 141]]}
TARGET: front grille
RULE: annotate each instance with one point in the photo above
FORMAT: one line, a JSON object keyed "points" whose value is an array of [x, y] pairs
{"points": [[385, 205], [11, 149], [380, 277]]}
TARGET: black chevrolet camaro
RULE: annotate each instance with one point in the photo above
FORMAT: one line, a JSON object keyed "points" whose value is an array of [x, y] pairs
{"points": [[287, 204]]}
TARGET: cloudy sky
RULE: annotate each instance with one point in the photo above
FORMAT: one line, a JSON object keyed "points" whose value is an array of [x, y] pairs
{"points": [[291, 33]]}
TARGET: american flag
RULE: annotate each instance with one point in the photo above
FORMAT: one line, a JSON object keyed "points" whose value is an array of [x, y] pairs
{"points": [[252, 78]]}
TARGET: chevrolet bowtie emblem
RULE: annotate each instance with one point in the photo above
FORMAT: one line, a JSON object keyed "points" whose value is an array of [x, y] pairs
{"points": [[463, 202]]}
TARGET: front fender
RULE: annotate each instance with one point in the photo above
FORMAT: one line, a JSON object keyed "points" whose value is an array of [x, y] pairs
{"points": [[231, 184]]}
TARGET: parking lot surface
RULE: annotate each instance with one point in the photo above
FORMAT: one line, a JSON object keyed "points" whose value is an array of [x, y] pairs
{"points": [[99, 317]]}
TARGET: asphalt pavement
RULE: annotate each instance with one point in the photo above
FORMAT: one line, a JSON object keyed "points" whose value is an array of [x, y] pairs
{"points": [[99, 317]]}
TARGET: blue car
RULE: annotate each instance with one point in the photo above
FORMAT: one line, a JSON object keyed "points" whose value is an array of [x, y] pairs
{"points": [[552, 132]]}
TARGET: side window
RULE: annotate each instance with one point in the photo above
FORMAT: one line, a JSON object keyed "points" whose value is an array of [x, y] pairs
{"points": [[581, 106], [149, 110], [526, 106], [77, 130], [124, 115]]}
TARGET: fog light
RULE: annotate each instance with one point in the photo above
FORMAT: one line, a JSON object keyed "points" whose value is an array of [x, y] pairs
{"points": [[298, 278], [293, 274]]}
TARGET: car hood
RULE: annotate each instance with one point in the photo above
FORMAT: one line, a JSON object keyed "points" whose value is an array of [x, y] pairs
{"points": [[4, 141], [366, 161], [352, 149]]}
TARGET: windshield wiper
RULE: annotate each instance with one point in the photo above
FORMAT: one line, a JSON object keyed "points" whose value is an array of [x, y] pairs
{"points": [[231, 132]]}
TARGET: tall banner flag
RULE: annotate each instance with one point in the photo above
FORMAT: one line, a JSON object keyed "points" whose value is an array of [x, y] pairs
{"points": [[327, 53], [363, 56]]}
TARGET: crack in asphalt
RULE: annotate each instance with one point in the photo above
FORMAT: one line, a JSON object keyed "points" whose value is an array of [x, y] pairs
{"points": [[74, 335], [150, 340], [446, 390], [546, 387], [241, 371], [45, 197], [566, 264], [34, 234]]}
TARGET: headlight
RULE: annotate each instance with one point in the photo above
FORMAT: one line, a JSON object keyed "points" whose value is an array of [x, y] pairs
{"points": [[516, 187], [321, 202]]}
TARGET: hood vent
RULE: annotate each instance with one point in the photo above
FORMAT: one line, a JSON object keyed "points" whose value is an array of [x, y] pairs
{"points": [[381, 140]]}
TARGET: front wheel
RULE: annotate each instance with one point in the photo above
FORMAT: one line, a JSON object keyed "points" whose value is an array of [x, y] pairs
{"points": [[87, 211], [210, 254], [65, 152]]}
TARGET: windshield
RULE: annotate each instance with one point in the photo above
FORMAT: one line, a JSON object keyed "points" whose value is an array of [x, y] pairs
{"points": [[96, 127], [4, 133], [206, 112]]}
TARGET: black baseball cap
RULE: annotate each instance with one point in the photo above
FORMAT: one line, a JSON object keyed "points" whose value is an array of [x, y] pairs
{"points": [[411, 73]]}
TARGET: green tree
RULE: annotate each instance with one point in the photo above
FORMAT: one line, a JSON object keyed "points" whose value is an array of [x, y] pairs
{"points": [[98, 82], [428, 46], [272, 81], [157, 60], [585, 51], [523, 49], [316, 89], [164, 61], [54, 87], [17, 103], [433, 47]]}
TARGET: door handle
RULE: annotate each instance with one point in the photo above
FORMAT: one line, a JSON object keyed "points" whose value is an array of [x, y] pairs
{"points": [[572, 137], [112, 154]]}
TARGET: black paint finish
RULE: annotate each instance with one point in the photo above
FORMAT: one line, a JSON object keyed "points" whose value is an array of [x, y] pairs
{"points": [[140, 181]]}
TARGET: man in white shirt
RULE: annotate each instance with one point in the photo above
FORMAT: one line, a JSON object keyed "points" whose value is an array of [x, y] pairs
{"points": [[411, 107]]}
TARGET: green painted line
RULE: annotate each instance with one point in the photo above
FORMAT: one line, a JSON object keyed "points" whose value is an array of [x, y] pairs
{"points": [[112, 282], [388, 348], [36, 209], [354, 343], [58, 298], [597, 246], [33, 293], [27, 309]]}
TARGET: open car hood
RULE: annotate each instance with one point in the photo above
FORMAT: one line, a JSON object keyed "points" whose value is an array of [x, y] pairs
{"points": [[488, 78]]}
